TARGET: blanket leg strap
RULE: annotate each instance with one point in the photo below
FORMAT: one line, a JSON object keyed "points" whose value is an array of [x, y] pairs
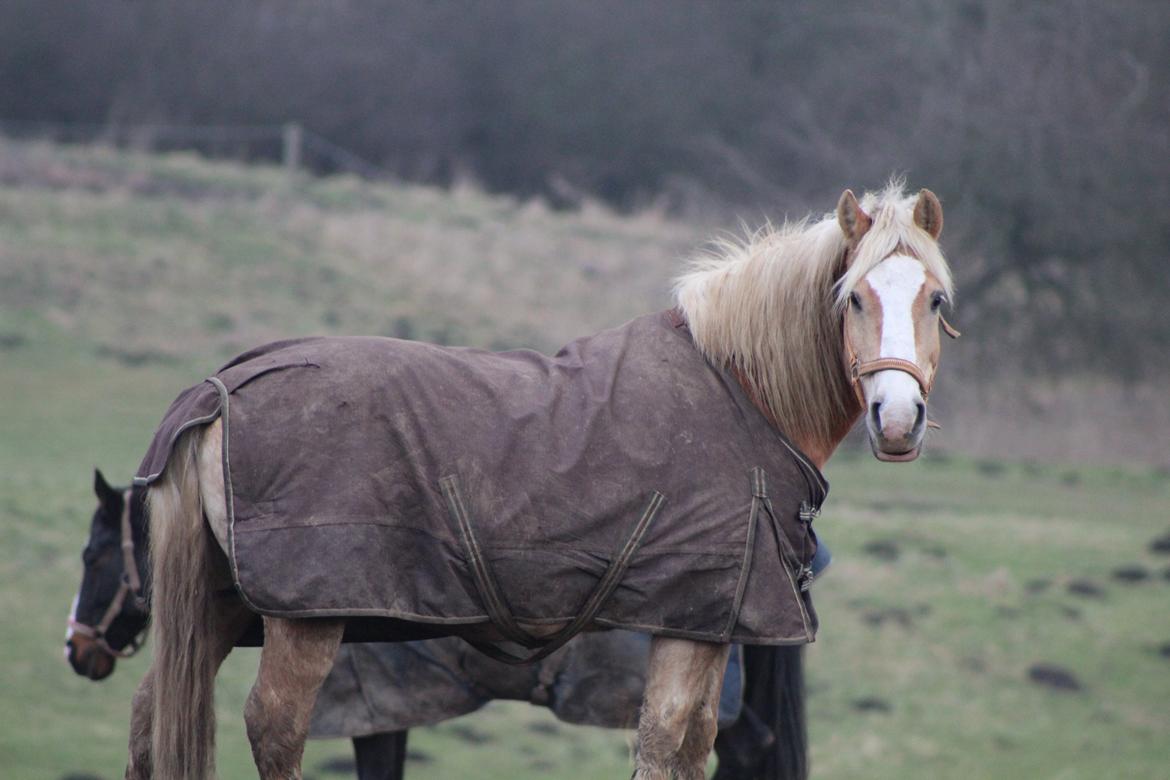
{"points": [[497, 606]]}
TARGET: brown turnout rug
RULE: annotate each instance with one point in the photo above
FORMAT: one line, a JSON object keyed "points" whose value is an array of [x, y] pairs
{"points": [[623, 483]]}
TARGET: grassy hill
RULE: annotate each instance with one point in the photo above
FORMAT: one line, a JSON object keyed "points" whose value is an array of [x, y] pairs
{"points": [[962, 589], [166, 258]]}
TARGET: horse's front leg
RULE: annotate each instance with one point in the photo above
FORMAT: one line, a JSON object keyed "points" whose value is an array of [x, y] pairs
{"points": [[295, 660], [680, 709]]}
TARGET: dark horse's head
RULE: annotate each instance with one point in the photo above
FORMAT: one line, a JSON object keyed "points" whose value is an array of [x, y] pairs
{"points": [[110, 611]]}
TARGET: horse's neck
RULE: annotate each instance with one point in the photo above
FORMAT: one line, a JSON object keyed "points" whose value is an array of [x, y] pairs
{"points": [[819, 452], [818, 449]]}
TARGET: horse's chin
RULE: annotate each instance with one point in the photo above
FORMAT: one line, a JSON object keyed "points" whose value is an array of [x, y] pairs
{"points": [[895, 457], [91, 661]]}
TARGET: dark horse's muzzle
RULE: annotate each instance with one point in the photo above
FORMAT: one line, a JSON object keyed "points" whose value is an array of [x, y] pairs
{"points": [[88, 659]]}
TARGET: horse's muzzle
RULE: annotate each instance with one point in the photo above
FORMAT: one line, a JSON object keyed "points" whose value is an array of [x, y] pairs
{"points": [[898, 437], [89, 660]]}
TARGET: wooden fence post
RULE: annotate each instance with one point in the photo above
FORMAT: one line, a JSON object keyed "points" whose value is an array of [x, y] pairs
{"points": [[292, 140]]}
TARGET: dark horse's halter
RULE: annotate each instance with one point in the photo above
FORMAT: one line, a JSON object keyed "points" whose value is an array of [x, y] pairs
{"points": [[130, 585]]}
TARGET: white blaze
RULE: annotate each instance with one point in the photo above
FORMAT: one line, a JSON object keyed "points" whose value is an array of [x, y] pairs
{"points": [[896, 281], [69, 628]]}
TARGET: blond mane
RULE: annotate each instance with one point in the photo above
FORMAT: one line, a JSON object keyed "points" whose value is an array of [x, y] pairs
{"points": [[770, 306]]}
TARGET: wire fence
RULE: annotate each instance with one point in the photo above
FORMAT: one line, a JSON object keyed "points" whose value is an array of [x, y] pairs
{"points": [[294, 145]]}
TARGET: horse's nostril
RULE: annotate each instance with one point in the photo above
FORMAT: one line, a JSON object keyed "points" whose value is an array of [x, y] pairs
{"points": [[875, 415], [920, 419]]}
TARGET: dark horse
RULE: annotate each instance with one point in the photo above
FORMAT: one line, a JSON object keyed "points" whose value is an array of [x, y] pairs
{"points": [[762, 735]]}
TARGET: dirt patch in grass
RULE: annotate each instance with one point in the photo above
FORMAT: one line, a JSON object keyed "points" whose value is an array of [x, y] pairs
{"points": [[1161, 545], [467, 733], [134, 358], [338, 765], [1131, 574], [1054, 677], [1085, 588], [871, 704], [418, 757], [883, 549], [897, 616]]}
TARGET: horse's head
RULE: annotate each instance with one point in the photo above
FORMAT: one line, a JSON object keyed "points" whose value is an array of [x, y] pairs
{"points": [[892, 294], [109, 611]]}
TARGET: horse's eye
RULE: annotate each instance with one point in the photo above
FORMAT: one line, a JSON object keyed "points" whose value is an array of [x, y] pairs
{"points": [[937, 302], [855, 301]]}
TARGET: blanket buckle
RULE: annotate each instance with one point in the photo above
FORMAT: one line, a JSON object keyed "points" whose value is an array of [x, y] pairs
{"points": [[808, 512]]}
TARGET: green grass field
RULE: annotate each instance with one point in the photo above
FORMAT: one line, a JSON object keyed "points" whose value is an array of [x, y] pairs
{"points": [[125, 278]]}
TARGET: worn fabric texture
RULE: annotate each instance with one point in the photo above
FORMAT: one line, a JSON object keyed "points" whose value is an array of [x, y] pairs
{"points": [[596, 680], [380, 478]]}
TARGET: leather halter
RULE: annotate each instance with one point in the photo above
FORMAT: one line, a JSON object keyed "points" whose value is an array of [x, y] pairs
{"points": [[130, 585], [859, 368]]}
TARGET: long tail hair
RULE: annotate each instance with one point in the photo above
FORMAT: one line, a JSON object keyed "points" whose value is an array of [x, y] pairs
{"points": [[183, 728]]}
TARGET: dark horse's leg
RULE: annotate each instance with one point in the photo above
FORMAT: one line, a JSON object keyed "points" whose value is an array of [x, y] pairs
{"points": [[770, 739], [381, 756]]}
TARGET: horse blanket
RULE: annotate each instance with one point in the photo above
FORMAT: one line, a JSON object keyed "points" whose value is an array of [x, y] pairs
{"points": [[624, 482]]}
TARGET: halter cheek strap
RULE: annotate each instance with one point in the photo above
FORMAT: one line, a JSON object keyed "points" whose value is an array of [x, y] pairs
{"points": [[947, 327], [131, 585], [859, 368]]}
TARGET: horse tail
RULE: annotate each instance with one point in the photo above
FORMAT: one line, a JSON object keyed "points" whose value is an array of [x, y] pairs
{"points": [[183, 723]]}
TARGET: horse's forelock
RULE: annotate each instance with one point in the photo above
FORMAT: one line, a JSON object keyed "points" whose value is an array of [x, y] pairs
{"points": [[893, 230]]}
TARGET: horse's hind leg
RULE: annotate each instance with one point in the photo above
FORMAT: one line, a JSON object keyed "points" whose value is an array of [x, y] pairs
{"points": [[296, 658], [678, 721]]}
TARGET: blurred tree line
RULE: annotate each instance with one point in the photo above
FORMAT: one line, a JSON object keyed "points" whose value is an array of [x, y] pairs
{"points": [[1044, 126]]}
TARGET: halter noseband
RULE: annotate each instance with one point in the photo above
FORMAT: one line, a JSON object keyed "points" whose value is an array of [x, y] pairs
{"points": [[130, 585], [859, 368]]}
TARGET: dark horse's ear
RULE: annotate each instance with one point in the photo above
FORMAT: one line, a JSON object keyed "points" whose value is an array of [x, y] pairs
{"points": [[104, 492], [928, 213], [853, 221]]}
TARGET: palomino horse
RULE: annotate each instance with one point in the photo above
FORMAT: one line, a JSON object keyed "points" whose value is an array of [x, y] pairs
{"points": [[595, 680], [806, 330]]}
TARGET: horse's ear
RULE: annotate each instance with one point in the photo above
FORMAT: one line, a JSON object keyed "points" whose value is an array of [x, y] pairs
{"points": [[853, 221], [928, 213], [102, 488]]}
